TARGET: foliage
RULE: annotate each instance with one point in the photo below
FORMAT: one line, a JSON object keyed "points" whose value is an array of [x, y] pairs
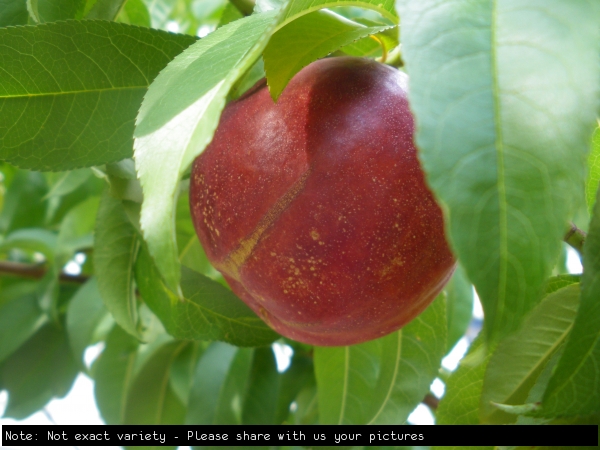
{"points": [[102, 111]]}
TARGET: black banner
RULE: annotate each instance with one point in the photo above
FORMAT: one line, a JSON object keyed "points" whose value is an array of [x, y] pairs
{"points": [[301, 435]]}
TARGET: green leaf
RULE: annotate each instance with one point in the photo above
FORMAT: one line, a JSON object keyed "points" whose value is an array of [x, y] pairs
{"points": [[183, 370], [70, 91], [593, 176], [382, 381], [262, 394], [135, 13], [105, 9], [219, 385], [574, 388], [560, 281], [116, 247], [459, 306], [84, 313], [299, 374], [20, 318], [13, 12], [23, 203], [177, 120], [519, 359], [113, 374], [39, 370], [305, 40], [298, 7], [504, 156], [31, 239], [460, 404], [160, 11], [207, 311], [68, 182], [151, 399], [53, 10], [76, 229]]}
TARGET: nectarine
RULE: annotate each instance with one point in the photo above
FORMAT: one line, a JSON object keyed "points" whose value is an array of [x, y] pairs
{"points": [[315, 208]]}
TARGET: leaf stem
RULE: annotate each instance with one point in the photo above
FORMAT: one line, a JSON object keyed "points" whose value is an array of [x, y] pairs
{"points": [[575, 238], [431, 400], [37, 272]]}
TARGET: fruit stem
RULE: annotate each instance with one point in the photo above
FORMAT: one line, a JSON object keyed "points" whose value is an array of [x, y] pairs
{"points": [[384, 52], [575, 238]]}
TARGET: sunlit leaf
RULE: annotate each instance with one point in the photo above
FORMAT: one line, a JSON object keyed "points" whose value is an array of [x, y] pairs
{"points": [[177, 120]]}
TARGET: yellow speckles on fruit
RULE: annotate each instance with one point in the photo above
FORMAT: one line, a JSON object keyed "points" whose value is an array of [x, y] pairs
{"points": [[273, 254], [312, 268], [314, 234], [321, 243]]}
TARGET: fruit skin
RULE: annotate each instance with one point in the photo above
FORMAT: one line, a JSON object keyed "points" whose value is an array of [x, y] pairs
{"points": [[315, 209]]}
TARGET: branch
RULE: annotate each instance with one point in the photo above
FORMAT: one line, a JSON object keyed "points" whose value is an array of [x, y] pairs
{"points": [[432, 401], [37, 272], [575, 238]]}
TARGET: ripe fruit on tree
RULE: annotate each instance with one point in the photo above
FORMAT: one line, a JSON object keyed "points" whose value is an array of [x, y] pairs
{"points": [[315, 208]]}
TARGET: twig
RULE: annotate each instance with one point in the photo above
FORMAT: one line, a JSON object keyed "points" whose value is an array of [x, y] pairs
{"points": [[432, 401], [37, 271], [575, 238]]}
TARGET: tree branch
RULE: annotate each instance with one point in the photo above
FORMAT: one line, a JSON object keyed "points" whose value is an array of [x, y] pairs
{"points": [[432, 401], [37, 272], [575, 238]]}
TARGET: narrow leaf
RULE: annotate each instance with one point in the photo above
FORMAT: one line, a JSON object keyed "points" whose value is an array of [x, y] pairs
{"points": [[505, 157], [151, 400], [381, 381], [460, 404], [459, 306], [84, 313], [69, 182], [207, 311], [305, 40], [116, 247], [69, 91], [262, 395], [574, 388], [177, 120], [519, 359], [113, 373], [209, 379], [298, 7], [105, 9], [53, 10], [20, 318]]}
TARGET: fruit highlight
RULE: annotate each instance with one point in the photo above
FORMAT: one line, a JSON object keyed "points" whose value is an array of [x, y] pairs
{"points": [[315, 208]]}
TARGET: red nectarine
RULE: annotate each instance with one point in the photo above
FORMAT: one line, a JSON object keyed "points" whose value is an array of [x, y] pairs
{"points": [[315, 208]]}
